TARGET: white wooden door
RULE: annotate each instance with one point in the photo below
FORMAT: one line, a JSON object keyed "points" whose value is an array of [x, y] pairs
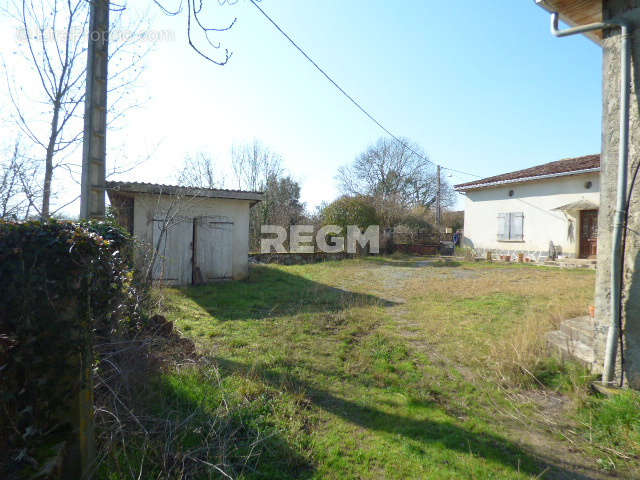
{"points": [[173, 264], [213, 248]]}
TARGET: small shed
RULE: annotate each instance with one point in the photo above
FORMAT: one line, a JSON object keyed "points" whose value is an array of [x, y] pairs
{"points": [[192, 235]]}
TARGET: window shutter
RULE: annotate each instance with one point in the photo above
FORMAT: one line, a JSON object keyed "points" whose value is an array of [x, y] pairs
{"points": [[516, 226], [503, 230]]}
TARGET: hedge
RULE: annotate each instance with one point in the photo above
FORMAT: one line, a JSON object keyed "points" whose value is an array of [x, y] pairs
{"points": [[62, 284]]}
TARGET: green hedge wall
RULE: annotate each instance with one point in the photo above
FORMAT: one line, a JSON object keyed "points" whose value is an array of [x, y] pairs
{"points": [[61, 284]]}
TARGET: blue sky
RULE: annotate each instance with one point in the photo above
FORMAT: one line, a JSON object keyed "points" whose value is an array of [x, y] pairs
{"points": [[482, 86]]}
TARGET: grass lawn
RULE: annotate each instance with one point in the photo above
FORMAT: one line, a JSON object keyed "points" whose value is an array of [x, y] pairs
{"points": [[391, 368]]}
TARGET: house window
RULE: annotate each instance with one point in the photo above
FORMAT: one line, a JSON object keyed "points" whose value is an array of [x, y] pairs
{"points": [[510, 226]]}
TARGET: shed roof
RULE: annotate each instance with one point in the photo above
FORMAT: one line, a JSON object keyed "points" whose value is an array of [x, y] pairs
{"points": [[159, 189], [567, 166]]}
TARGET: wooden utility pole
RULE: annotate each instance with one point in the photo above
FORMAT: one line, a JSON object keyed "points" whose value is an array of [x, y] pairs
{"points": [[438, 205], [94, 147]]}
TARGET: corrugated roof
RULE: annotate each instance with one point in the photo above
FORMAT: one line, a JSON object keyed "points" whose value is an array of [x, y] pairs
{"points": [[568, 166], [160, 189]]}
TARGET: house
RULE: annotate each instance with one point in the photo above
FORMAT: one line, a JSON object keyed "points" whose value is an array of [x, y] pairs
{"points": [[551, 207], [189, 235]]}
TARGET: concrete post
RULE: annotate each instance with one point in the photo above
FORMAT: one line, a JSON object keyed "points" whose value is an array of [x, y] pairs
{"points": [[630, 10], [94, 147]]}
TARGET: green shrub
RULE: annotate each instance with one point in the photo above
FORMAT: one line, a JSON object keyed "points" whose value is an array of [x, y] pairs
{"points": [[63, 283], [347, 211]]}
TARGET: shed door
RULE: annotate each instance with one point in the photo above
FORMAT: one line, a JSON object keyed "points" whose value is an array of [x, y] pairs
{"points": [[213, 249], [173, 264]]}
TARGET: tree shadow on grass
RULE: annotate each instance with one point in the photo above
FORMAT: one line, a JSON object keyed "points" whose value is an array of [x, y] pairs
{"points": [[180, 423], [491, 447], [243, 443], [271, 291]]}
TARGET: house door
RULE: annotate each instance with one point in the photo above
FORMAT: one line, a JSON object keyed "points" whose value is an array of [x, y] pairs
{"points": [[588, 233], [213, 249], [173, 241]]}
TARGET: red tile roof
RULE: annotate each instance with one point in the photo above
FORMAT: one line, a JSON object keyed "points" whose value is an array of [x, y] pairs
{"points": [[568, 166]]}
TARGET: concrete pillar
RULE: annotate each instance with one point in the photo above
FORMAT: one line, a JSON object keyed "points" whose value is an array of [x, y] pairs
{"points": [[629, 9]]}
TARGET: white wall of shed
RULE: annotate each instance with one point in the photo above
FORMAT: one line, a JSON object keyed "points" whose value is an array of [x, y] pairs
{"points": [[147, 207]]}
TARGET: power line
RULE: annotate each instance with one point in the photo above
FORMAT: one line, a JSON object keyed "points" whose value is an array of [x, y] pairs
{"points": [[461, 172], [349, 97]]}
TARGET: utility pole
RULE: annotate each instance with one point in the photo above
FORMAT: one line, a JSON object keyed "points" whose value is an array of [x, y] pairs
{"points": [[81, 456], [94, 147], [438, 205]]}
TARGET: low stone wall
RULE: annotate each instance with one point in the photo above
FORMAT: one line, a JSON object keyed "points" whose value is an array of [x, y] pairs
{"points": [[297, 258], [532, 255], [426, 249]]}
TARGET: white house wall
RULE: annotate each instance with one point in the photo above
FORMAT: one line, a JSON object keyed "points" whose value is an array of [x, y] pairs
{"points": [[536, 200], [147, 206]]}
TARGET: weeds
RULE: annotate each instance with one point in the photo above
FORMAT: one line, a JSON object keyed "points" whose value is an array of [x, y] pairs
{"points": [[563, 376], [162, 412], [613, 423]]}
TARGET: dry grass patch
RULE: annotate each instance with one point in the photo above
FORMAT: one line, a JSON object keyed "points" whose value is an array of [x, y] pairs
{"points": [[499, 315]]}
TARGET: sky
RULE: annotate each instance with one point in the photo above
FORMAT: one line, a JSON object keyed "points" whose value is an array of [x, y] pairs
{"points": [[482, 87]]}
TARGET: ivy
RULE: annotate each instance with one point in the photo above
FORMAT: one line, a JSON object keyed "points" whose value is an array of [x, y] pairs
{"points": [[62, 284]]}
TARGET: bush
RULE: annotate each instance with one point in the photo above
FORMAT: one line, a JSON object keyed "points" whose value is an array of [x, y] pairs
{"points": [[347, 211], [63, 283]]}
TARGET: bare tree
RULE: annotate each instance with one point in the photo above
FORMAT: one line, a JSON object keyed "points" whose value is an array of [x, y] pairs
{"points": [[253, 164], [197, 26], [54, 38], [397, 176], [168, 214], [18, 195], [10, 186], [171, 206], [257, 168], [389, 169], [200, 171]]}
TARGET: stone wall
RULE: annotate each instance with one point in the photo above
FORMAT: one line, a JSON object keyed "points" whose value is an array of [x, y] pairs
{"points": [[532, 255], [297, 258], [630, 9]]}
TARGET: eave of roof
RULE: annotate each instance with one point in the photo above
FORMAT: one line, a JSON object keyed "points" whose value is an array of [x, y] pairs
{"points": [[479, 186], [159, 189], [577, 12], [560, 168]]}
